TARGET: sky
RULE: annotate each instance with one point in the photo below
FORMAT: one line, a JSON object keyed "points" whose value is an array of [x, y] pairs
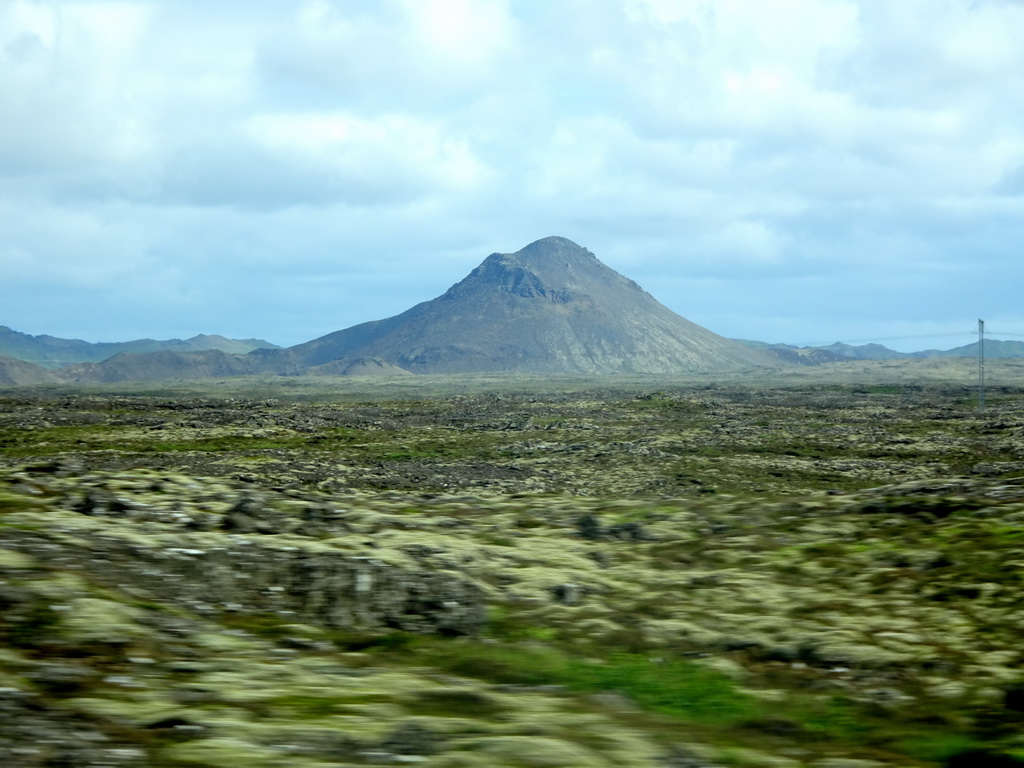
{"points": [[799, 171]]}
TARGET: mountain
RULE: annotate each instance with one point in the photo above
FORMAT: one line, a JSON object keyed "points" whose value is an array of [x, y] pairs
{"points": [[864, 351], [51, 351], [551, 307], [802, 355], [159, 366], [18, 373], [994, 348], [363, 366]]}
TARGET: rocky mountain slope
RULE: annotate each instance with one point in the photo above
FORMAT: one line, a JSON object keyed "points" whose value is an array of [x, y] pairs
{"points": [[551, 307]]}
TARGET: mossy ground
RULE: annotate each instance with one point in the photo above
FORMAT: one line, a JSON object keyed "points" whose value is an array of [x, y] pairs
{"points": [[780, 575]]}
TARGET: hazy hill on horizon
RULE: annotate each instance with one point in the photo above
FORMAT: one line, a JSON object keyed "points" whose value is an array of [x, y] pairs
{"points": [[994, 348], [19, 373], [52, 351]]}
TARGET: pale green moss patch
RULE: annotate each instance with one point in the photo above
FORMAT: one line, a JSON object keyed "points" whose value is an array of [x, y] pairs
{"points": [[227, 752], [16, 561], [534, 752], [92, 620]]}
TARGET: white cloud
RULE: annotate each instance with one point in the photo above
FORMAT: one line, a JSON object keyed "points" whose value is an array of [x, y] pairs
{"points": [[461, 37], [372, 151], [399, 55], [185, 151], [58, 85]]}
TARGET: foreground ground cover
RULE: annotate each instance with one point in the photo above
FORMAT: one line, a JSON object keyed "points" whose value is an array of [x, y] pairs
{"points": [[816, 574]]}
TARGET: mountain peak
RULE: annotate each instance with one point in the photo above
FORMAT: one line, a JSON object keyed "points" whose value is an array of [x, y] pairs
{"points": [[546, 253], [554, 247], [550, 307], [553, 268]]}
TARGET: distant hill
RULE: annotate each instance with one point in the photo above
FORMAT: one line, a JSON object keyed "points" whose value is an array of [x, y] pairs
{"points": [[363, 366], [864, 351], [994, 348], [51, 351], [164, 365], [18, 373], [803, 355], [551, 307]]}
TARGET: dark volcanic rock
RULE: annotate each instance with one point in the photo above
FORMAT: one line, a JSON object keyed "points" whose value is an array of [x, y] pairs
{"points": [[328, 589]]}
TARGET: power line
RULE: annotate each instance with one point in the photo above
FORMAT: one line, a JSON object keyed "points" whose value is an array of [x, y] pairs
{"points": [[981, 365]]}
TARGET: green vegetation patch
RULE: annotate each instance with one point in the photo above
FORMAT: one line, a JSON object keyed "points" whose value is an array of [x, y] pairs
{"points": [[673, 687]]}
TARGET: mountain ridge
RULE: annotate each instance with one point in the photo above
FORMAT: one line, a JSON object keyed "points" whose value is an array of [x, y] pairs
{"points": [[838, 351], [52, 351]]}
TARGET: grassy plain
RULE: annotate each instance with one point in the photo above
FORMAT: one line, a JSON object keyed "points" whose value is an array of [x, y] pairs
{"points": [[819, 568]]}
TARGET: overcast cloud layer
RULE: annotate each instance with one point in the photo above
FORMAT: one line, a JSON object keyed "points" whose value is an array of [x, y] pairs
{"points": [[786, 170]]}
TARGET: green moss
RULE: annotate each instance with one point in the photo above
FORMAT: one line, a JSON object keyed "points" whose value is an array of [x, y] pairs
{"points": [[833, 718], [15, 442], [16, 561], [914, 592], [689, 691], [497, 540], [372, 641], [227, 752], [936, 745], [304, 707], [14, 502], [454, 702], [498, 662], [92, 620], [533, 752]]}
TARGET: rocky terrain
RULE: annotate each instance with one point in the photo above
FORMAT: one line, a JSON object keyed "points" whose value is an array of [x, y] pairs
{"points": [[581, 574]]}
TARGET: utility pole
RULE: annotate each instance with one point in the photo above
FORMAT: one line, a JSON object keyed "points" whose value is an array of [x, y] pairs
{"points": [[981, 365]]}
